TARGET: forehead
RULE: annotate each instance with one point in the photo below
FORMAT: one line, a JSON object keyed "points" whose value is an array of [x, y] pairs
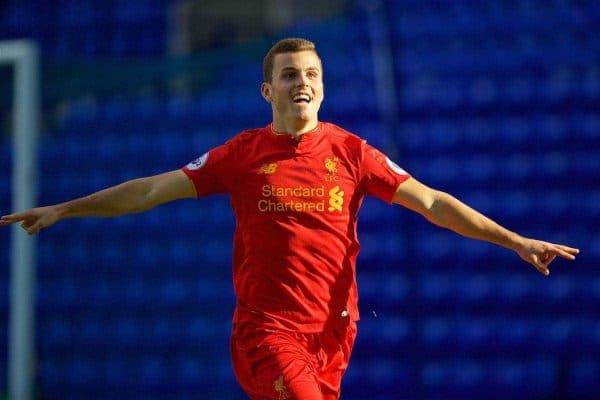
{"points": [[297, 60]]}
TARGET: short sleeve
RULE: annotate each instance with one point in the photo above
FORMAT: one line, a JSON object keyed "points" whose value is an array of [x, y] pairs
{"points": [[380, 176], [212, 172]]}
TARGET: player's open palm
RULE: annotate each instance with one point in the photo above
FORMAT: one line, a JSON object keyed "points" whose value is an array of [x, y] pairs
{"points": [[32, 220], [540, 254]]}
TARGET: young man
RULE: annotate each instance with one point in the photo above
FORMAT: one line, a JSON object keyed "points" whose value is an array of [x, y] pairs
{"points": [[296, 186]]}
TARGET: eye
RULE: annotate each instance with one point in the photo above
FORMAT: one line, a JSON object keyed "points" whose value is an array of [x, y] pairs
{"points": [[289, 75]]}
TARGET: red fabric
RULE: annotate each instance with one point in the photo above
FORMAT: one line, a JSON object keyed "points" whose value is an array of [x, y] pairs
{"points": [[295, 204], [283, 365]]}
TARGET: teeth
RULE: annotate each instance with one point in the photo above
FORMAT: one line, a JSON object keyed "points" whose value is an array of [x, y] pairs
{"points": [[302, 97]]}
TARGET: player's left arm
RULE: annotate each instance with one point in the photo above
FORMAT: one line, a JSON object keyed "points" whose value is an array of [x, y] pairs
{"points": [[446, 211]]}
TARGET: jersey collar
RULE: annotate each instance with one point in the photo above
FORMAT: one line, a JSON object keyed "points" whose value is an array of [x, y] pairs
{"points": [[305, 137]]}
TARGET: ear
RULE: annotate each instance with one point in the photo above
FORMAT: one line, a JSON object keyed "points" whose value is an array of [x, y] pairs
{"points": [[265, 90]]}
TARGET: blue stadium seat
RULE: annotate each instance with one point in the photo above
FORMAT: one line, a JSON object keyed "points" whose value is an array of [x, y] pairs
{"points": [[444, 134], [444, 248], [148, 107], [91, 331], [514, 131], [117, 372], [496, 103], [203, 326], [479, 132], [191, 371], [347, 100], [591, 84], [373, 214], [584, 378], [552, 129], [557, 335], [480, 169], [563, 290], [202, 140], [57, 332], [453, 377], [152, 371], [482, 91], [518, 168], [174, 292], [584, 166], [482, 200], [378, 250], [589, 204], [517, 334], [436, 333], [553, 165], [435, 287], [128, 332], [141, 10], [517, 289], [386, 370], [518, 90], [475, 289], [444, 171], [518, 205], [534, 376]]}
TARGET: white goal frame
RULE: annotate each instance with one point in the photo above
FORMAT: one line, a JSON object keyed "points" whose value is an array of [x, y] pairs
{"points": [[23, 55]]}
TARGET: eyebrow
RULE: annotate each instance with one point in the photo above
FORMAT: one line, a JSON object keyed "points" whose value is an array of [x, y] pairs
{"points": [[299, 69]]}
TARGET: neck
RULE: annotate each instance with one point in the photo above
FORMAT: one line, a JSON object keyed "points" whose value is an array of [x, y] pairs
{"points": [[296, 128]]}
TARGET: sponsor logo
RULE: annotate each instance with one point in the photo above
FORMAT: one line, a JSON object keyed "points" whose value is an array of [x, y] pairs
{"points": [[268, 168], [298, 191], [198, 162], [336, 199], [395, 167], [300, 199]]}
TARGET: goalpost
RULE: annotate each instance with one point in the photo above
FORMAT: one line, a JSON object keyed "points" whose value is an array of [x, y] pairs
{"points": [[23, 55]]}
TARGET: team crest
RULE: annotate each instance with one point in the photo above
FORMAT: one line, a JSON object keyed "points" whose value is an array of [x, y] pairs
{"points": [[268, 168], [331, 164], [279, 387]]}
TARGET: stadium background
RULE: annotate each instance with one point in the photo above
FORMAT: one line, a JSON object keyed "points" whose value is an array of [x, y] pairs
{"points": [[495, 102]]}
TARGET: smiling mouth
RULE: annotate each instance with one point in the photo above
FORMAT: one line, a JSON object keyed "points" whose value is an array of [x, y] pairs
{"points": [[301, 98]]}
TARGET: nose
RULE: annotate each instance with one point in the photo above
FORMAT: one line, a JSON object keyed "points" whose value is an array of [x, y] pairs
{"points": [[302, 80]]}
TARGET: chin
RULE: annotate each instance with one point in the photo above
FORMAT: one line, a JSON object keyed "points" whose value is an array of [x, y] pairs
{"points": [[306, 116]]}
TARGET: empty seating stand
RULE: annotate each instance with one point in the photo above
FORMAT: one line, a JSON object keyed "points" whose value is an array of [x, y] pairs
{"points": [[496, 102]]}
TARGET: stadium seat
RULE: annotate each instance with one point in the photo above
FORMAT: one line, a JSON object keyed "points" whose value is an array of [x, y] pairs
{"points": [[514, 334], [584, 378], [496, 105]]}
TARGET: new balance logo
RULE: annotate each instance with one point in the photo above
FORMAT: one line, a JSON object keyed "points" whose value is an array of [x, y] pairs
{"points": [[268, 168]]}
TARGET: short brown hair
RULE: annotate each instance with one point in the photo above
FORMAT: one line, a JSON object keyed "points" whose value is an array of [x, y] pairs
{"points": [[288, 45]]}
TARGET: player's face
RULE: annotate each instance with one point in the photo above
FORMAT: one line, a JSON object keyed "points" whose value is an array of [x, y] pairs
{"points": [[296, 90]]}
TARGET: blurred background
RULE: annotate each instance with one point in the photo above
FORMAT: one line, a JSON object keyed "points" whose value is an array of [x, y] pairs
{"points": [[496, 102]]}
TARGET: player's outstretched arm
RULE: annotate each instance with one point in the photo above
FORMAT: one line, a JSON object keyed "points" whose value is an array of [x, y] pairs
{"points": [[133, 196], [446, 211]]}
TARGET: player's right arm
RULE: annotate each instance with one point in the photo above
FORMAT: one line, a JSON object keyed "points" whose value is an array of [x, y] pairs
{"points": [[134, 196]]}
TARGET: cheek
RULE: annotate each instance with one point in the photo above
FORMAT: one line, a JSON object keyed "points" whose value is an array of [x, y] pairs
{"points": [[321, 95], [321, 91]]}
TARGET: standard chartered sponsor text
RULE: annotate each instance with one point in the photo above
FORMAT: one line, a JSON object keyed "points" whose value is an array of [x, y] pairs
{"points": [[296, 191], [272, 194]]}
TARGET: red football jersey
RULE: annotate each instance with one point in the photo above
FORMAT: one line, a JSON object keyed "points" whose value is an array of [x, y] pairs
{"points": [[296, 204]]}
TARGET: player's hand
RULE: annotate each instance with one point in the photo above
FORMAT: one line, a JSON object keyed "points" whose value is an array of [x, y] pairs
{"points": [[540, 254], [32, 220]]}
